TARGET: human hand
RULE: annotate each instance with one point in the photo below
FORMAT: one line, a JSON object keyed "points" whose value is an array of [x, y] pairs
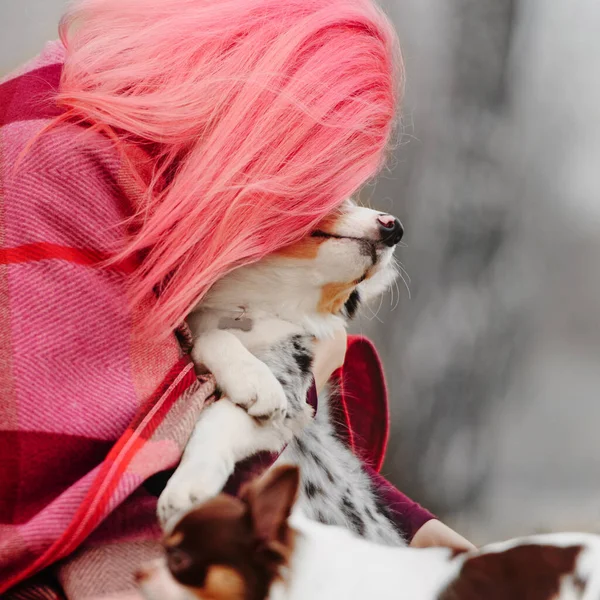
{"points": [[329, 356], [435, 533]]}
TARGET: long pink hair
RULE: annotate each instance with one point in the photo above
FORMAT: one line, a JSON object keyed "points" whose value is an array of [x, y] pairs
{"points": [[261, 117]]}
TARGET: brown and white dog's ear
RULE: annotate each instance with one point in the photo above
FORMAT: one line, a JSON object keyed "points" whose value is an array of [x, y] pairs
{"points": [[271, 499]]}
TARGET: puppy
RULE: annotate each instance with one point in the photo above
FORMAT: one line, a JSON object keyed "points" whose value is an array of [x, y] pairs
{"points": [[255, 331], [250, 548]]}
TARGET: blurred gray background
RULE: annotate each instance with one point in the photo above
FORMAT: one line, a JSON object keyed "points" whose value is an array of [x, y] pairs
{"points": [[493, 357]]}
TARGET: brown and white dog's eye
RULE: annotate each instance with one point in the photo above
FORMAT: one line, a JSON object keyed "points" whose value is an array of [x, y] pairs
{"points": [[178, 560]]}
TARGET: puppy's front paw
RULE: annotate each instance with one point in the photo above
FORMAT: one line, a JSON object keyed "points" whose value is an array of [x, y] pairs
{"points": [[191, 484], [253, 386]]}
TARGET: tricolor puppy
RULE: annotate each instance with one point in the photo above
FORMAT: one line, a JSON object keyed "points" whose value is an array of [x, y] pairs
{"points": [[255, 331], [249, 548]]}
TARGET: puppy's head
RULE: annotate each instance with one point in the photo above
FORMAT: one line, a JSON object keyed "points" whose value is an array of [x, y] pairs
{"points": [[349, 255], [228, 548]]}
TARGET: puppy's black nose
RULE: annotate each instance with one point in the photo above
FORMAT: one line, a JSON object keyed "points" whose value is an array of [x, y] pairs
{"points": [[391, 229]]}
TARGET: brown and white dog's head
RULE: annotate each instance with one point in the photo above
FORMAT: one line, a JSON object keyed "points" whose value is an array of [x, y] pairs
{"points": [[228, 548], [348, 258]]}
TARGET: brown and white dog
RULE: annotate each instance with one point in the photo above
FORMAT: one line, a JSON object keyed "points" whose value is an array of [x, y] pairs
{"points": [[258, 547]]}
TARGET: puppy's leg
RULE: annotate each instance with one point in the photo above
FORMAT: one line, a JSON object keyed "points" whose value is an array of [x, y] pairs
{"points": [[242, 377], [223, 435]]}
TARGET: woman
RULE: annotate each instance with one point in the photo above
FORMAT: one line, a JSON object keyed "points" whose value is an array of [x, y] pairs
{"points": [[162, 144]]}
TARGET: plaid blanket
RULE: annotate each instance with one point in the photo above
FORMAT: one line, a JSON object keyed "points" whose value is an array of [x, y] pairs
{"points": [[90, 408], [91, 412]]}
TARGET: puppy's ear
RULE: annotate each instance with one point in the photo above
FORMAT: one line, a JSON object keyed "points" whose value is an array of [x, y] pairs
{"points": [[271, 499]]}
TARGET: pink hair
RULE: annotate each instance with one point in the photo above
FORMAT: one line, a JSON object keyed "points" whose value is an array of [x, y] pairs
{"points": [[262, 116]]}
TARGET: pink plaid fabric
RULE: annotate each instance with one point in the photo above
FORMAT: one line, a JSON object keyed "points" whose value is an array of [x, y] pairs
{"points": [[90, 408]]}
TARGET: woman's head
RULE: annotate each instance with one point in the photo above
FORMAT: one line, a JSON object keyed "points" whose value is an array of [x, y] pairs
{"points": [[262, 116]]}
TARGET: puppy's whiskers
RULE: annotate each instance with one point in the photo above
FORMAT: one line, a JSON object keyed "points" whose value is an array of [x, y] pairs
{"points": [[401, 267], [402, 272], [374, 315]]}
